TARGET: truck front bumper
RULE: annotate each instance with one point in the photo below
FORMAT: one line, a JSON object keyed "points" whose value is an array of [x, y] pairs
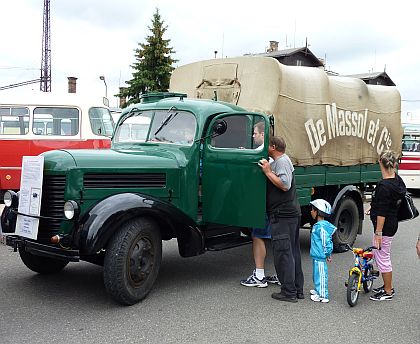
{"points": [[41, 249]]}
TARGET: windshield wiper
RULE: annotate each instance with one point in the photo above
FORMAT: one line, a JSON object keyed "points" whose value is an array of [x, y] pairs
{"points": [[168, 118]]}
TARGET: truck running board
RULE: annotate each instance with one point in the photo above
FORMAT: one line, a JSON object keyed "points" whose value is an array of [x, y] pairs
{"points": [[219, 246]]}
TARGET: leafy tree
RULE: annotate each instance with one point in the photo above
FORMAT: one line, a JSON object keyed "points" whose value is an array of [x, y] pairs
{"points": [[153, 66]]}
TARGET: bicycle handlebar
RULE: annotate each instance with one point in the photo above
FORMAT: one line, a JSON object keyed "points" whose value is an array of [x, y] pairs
{"points": [[368, 249]]}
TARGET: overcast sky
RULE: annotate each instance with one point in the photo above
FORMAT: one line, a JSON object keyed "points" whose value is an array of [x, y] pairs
{"points": [[90, 38]]}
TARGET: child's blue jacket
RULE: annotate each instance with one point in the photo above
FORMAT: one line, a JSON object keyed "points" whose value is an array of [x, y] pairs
{"points": [[321, 240]]}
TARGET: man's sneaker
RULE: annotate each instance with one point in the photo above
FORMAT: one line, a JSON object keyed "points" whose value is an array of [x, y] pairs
{"points": [[281, 297], [318, 298], [381, 296], [381, 290], [272, 279], [253, 281]]}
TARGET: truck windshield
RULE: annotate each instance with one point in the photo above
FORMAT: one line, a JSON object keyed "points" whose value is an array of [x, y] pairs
{"points": [[150, 126]]}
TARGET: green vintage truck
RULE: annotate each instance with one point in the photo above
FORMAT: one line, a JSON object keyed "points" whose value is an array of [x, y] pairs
{"points": [[186, 168]]}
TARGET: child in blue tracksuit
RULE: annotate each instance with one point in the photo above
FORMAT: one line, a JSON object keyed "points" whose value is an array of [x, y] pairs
{"points": [[321, 249]]}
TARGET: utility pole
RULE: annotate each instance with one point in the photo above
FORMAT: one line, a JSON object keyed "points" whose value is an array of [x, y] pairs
{"points": [[45, 85]]}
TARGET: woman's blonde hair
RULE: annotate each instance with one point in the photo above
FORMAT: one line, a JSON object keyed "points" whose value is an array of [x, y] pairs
{"points": [[388, 159]]}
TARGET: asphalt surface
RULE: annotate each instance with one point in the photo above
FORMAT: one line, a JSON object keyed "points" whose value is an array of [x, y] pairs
{"points": [[200, 300]]}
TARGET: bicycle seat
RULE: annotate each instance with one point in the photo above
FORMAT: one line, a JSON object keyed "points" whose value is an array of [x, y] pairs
{"points": [[368, 254]]}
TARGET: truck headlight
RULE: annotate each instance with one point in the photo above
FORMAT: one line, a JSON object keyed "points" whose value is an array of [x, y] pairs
{"points": [[11, 199], [71, 208]]}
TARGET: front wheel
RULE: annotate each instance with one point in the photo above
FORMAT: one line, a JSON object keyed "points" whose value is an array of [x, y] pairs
{"points": [[352, 290], [42, 265], [132, 261], [368, 280]]}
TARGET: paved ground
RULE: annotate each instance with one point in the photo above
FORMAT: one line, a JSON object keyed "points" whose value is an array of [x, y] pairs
{"points": [[200, 300]]}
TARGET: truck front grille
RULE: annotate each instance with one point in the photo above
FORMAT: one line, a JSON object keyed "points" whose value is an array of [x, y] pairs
{"points": [[52, 206], [123, 181]]}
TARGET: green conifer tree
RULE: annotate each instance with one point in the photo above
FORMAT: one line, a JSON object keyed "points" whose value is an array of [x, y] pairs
{"points": [[153, 66]]}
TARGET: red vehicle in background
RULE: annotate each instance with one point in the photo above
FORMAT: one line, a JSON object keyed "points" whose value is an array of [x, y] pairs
{"points": [[45, 123], [409, 167]]}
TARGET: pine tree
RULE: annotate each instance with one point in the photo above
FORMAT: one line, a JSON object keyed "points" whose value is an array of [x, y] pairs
{"points": [[153, 66]]}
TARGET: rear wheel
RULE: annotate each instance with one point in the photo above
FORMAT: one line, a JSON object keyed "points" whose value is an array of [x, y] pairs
{"points": [[42, 265], [368, 283], [347, 221], [132, 261], [352, 289]]}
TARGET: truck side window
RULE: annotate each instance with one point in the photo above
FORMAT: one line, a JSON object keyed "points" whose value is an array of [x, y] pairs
{"points": [[239, 133]]}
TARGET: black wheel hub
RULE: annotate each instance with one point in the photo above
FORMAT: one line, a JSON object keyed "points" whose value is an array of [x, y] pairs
{"points": [[344, 226], [141, 261]]}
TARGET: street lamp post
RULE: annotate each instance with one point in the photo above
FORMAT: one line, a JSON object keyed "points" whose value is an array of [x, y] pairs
{"points": [[102, 77]]}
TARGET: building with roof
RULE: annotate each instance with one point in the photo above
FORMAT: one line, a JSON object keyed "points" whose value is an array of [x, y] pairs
{"points": [[292, 57], [375, 78]]}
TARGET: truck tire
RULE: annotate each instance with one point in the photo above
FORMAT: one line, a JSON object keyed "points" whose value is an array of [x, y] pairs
{"points": [[346, 219], [132, 261], [42, 265]]}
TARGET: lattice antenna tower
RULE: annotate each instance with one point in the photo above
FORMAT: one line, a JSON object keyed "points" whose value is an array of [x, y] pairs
{"points": [[46, 50]]}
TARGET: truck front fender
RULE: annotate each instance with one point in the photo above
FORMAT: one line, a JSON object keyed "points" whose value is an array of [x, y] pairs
{"points": [[100, 223]]}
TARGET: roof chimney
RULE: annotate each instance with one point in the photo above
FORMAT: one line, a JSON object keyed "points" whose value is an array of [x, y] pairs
{"points": [[123, 99], [72, 84], [274, 46]]}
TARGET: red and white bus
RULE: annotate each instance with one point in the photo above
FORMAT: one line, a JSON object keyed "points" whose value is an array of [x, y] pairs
{"points": [[409, 167], [46, 122]]}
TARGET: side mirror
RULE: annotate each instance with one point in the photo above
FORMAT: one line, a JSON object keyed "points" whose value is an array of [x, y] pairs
{"points": [[219, 128]]}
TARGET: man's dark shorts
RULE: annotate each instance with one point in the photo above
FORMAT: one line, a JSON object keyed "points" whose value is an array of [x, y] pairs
{"points": [[262, 233]]}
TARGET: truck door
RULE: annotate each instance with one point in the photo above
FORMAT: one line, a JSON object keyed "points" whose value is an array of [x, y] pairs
{"points": [[233, 185]]}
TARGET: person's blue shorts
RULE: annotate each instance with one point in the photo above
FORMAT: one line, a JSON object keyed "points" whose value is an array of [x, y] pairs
{"points": [[262, 233]]}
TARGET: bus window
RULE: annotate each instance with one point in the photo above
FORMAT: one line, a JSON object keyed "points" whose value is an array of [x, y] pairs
{"points": [[411, 143], [59, 121], [14, 120], [409, 167], [101, 121]]}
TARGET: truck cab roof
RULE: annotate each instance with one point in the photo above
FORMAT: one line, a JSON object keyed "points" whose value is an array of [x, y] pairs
{"points": [[202, 108]]}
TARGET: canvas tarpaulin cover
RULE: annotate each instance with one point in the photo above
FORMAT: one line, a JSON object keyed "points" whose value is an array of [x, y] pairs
{"points": [[324, 119]]}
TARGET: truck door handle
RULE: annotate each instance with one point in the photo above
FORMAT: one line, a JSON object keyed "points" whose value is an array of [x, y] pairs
{"points": [[257, 162]]}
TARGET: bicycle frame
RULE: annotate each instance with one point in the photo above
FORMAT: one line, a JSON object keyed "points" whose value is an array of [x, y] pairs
{"points": [[357, 270], [361, 264]]}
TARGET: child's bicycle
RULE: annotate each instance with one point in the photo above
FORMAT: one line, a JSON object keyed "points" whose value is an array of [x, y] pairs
{"points": [[362, 273]]}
